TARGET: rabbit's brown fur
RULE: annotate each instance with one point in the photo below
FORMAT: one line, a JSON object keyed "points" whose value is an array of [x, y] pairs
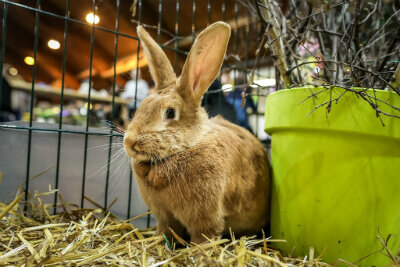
{"points": [[196, 174]]}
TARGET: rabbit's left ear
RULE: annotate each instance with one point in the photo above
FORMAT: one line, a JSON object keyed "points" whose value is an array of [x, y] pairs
{"points": [[204, 61]]}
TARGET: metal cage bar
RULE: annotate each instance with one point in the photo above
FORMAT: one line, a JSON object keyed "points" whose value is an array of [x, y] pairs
{"points": [[183, 52], [257, 90], [64, 60], [176, 34], [220, 95], [58, 130], [194, 8], [35, 47], [208, 23], [208, 12], [226, 8], [68, 19], [136, 91], [3, 45], [160, 4], [88, 107], [110, 142], [235, 40]]}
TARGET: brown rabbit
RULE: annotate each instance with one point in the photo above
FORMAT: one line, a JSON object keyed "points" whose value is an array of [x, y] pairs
{"points": [[196, 174]]}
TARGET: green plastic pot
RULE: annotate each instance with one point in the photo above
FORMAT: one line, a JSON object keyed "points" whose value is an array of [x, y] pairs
{"points": [[336, 183]]}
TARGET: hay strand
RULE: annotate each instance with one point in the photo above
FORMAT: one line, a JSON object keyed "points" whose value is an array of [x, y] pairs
{"points": [[88, 237], [12, 204]]}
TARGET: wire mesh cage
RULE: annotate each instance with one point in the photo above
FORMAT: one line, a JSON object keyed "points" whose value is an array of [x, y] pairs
{"points": [[60, 135], [86, 163]]}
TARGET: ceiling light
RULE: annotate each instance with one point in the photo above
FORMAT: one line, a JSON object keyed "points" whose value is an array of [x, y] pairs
{"points": [[90, 18], [29, 61], [13, 71], [53, 44]]}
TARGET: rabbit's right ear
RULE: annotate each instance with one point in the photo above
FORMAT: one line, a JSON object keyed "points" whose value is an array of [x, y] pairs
{"points": [[159, 65]]}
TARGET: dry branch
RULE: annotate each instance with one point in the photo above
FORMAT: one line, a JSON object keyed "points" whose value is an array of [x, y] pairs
{"points": [[341, 43], [267, 11]]}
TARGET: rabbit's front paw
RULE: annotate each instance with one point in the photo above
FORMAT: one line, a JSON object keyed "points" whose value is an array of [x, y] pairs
{"points": [[201, 235]]}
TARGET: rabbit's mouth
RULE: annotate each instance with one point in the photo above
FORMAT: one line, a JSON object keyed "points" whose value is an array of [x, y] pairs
{"points": [[148, 157], [136, 154], [139, 156], [142, 153]]}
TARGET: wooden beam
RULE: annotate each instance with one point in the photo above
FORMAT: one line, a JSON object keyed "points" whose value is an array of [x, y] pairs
{"points": [[85, 73], [130, 62], [19, 42], [68, 94], [125, 64], [50, 65], [51, 28], [242, 21], [75, 36]]}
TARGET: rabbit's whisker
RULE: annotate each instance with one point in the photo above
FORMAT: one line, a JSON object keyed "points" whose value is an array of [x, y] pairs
{"points": [[107, 145], [113, 179], [113, 125], [120, 153]]}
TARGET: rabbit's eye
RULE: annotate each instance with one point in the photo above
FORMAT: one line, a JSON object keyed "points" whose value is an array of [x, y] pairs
{"points": [[170, 113]]}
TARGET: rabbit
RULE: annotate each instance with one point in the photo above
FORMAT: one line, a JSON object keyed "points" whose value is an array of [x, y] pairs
{"points": [[197, 175]]}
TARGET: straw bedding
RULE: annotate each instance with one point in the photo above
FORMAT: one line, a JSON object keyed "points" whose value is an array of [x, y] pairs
{"points": [[94, 237]]}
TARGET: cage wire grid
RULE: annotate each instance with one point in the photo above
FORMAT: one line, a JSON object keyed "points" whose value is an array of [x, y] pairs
{"points": [[93, 28]]}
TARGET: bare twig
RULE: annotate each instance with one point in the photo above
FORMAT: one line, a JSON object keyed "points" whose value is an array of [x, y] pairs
{"points": [[356, 25], [277, 45], [370, 14], [396, 77], [353, 43], [384, 244]]}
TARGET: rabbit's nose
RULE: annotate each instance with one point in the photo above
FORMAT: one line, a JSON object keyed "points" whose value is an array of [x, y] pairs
{"points": [[136, 147], [130, 143], [133, 144]]}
